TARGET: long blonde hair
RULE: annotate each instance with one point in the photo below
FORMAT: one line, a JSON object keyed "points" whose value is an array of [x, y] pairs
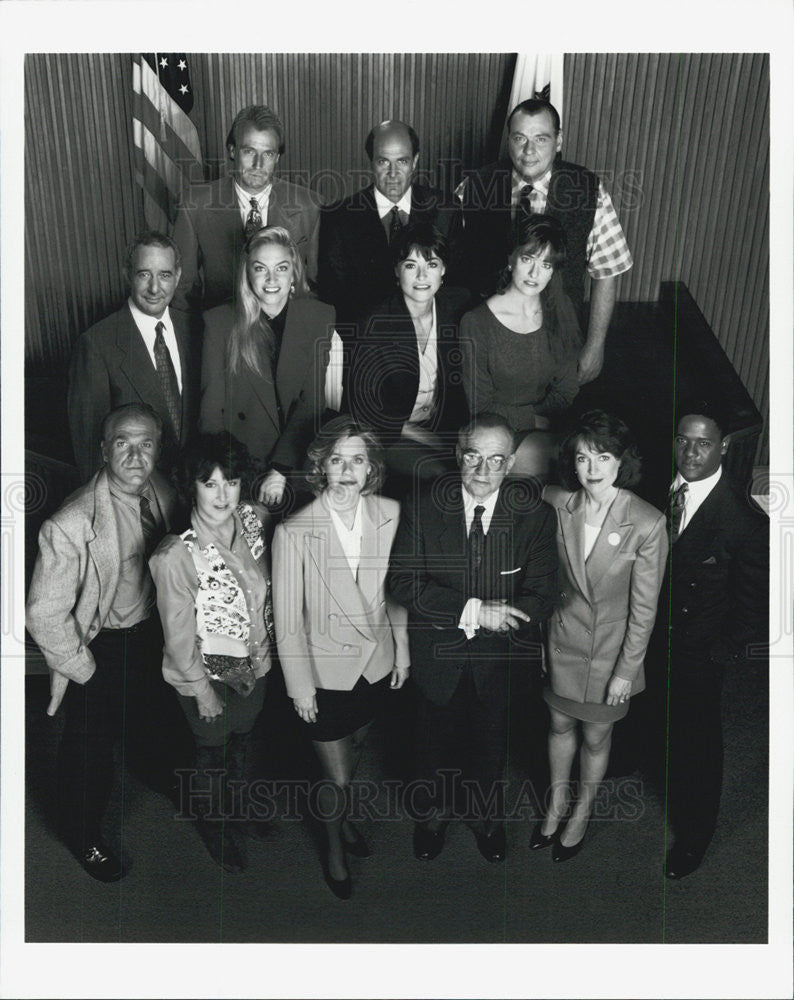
{"points": [[251, 338]]}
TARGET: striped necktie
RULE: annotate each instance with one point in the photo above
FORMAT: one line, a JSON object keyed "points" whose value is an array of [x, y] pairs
{"points": [[677, 503], [166, 376]]}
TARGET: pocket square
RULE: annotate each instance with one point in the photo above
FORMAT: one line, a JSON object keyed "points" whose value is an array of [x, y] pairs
{"points": [[711, 561], [509, 572]]}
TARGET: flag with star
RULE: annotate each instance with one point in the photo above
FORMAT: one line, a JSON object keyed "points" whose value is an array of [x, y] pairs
{"points": [[167, 149]]}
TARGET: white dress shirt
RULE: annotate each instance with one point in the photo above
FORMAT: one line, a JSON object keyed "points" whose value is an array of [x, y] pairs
{"points": [[349, 538], [244, 202], [469, 619], [384, 206], [146, 325], [695, 495], [425, 403]]}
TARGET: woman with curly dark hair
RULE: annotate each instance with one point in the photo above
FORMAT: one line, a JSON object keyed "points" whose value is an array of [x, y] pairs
{"points": [[213, 595], [520, 347], [341, 641], [612, 554]]}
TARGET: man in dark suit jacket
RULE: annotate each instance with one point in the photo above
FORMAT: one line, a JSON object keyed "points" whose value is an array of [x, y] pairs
{"points": [[215, 219], [91, 609], [498, 197], [355, 268], [712, 615], [475, 563], [143, 353]]}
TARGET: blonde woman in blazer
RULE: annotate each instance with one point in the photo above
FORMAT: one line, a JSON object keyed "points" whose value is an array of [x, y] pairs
{"points": [[613, 550], [341, 642]]}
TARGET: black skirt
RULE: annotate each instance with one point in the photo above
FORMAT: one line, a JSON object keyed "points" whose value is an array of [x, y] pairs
{"points": [[341, 713]]}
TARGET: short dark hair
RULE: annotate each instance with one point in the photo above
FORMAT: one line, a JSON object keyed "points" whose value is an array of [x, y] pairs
{"points": [[535, 106], [603, 433], [422, 237], [486, 421], [150, 238], [389, 125], [334, 430], [261, 117], [203, 455], [131, 410], [692, 406]]}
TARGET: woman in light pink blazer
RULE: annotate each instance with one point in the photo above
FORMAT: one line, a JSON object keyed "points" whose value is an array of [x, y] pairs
{"points": [[613, 550], [341, 641]]}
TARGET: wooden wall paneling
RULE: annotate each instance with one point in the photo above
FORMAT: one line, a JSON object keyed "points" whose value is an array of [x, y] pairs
{"points": [[695, 127]]}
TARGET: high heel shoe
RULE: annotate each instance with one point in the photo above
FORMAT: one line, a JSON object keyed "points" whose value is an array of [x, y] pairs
{"points": [[358, 847], [342, 888], [560, 852], [538, 839]]}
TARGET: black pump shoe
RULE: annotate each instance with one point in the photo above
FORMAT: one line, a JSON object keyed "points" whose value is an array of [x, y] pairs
{"points": [[560, 852], [539, 840], [342, 888]]}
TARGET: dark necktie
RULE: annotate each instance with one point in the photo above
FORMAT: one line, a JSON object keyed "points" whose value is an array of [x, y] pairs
{"points": [[395, 225], [677, 501], [152, 532], [476, 547], [254, 221], [166, 376], [523, 213]]}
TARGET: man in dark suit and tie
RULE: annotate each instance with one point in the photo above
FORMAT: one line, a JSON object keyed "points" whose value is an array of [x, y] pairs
{"points": [[712, 616], [141, 354], [91, 609], [356, 271], [475, 563], [215, 219], [498, 197]]}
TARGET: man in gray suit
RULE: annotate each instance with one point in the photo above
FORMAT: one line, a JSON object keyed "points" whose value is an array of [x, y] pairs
{"points": [[215, 219], [91, 609]]}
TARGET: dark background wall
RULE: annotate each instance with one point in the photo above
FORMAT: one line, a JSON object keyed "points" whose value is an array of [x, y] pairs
{"points": [[682, 142]]}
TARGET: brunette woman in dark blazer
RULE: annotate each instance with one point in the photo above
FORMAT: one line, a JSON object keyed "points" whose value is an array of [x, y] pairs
{"points": [[266, 374], [405, 377]]}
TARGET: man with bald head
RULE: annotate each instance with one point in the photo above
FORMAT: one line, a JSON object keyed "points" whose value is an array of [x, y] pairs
{"points": [[355, 270], [91, 609]]}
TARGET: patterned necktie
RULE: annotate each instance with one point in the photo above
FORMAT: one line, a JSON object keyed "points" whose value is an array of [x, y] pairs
{"points": [[677, 501], [152, 532], [166, 376], [254, 221], [395, 225], [476, 546], [523, 213]]}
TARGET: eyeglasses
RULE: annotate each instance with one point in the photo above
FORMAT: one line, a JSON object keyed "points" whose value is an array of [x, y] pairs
{"points": [[519, 140], [473, 460]]}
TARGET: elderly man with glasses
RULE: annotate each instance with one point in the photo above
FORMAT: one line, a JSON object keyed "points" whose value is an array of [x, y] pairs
{"points": [[475, 563]]}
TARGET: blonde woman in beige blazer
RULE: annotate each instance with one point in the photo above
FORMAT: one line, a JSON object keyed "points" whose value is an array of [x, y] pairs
{"points": [[612, 554], [341, 641]]}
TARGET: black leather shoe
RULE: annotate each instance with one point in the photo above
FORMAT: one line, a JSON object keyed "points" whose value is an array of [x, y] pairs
{"points": [[428, 844], [493, 845], [682, 862], [539, 839], [100, 863], [221, 847], [560, 852], [342, 888], [358, 847]]}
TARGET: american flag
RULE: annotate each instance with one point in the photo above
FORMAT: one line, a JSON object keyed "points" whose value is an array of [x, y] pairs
{"points": [[167, 149]]}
